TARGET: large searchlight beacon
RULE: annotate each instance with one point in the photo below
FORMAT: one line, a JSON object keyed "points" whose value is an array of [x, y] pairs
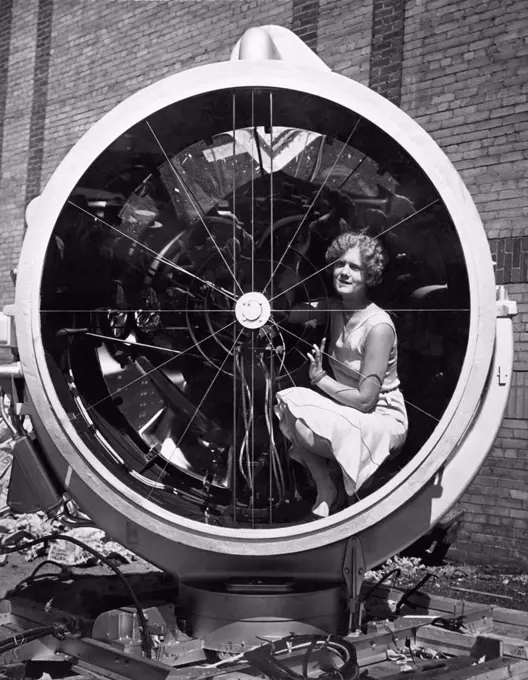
{"points": [[152, 328]]}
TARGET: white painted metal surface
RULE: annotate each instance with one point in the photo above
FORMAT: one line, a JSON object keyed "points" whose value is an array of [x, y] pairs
{"points": [[385, 521]]}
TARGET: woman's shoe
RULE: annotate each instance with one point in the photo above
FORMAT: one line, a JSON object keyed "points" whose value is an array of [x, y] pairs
{"points": [[331, 506], [325, 503], [321, 510]]}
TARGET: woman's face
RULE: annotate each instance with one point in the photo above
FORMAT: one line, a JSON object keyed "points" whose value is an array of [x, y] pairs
{"points": [[349, 275]]}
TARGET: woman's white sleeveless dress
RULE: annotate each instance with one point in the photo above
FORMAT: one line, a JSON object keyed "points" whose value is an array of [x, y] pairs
{"points": [[360, 442]]}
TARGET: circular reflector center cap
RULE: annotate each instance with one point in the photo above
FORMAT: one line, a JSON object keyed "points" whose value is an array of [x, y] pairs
{"points": [[252, 310]]}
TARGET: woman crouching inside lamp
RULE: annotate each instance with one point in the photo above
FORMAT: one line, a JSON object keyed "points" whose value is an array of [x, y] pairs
{"points": [[357, 415]]}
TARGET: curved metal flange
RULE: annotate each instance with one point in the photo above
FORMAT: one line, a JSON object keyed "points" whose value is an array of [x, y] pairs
{"points": [[179, 543], [438, 496]]}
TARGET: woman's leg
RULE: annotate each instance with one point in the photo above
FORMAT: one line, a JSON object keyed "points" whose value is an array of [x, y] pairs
{"points": [[313, 451]]}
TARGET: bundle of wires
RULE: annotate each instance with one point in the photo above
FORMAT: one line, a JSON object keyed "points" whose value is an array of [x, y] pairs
{"points": [[146, 643], [27, 636], [265, 659]]}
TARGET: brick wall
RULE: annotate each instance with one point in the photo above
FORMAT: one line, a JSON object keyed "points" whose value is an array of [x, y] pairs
{"points": [[465, 79], [6, 20], [459, 67], [21, 25], [305, 21], [344, 37], [37, 125], [388, 24]]}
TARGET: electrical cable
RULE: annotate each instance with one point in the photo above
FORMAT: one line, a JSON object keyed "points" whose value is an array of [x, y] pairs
{"points": [[65, 572], [378, 583], [274, 460], [12, 422], [247, 412], [71, 517], [146, 644], [59, 630], [73, 523], [306, 659], [27, 636], [5, 470], [264, 658], [404, 599]]}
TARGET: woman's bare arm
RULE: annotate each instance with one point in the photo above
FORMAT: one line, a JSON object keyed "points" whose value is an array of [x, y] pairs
{"points": [[378, 345]]}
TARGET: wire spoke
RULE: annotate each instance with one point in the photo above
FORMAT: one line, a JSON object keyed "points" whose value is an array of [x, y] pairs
{"points": [[283, 366], [169, 263], [276, 353], [255, 142], [417, 212], [197, 409], [271, 363], [111, 395], [108, 310], [133, 343], [386, 309], [290, 377], [193, 203], [298, 337], [232, 463], [352, 172], [327, 266], [330, 264], [345, 145], [272, 219], [424, 309]]}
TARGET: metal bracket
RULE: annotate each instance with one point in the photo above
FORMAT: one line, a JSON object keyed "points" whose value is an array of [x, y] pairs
{"points": [[276, 42], [8, 374], [7, 331], [505, 306], [353, 573], [503, 375]]}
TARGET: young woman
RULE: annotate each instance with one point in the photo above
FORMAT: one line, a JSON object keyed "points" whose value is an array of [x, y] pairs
{"points": [[357, 416]]}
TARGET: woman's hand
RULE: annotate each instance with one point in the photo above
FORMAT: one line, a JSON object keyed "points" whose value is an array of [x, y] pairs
{"points": [[316, 360]]}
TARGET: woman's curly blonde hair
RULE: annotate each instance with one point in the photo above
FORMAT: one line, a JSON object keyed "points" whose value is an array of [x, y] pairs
{"points": [[373, 255]]}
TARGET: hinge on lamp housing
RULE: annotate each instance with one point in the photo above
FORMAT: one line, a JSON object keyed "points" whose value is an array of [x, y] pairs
{"points": [[505, 306], [353, 573], [11, 374], [7, 328], [503, 375], [506, 309]]}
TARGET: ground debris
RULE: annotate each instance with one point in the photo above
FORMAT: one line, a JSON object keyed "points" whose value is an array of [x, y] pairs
{"points": [[6, 458], [15, 530], [68, 554], [18, 529], [496, 585], [28, 527]]}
